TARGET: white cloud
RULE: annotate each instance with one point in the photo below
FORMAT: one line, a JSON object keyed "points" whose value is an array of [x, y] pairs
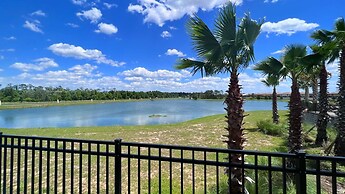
{"points": [[158, 11], [159, 74], [94, 15], [8, 50], [77, 52], [175, 52], [106, 29], [278, 52], [10, 38], [38, 13], [79, 2], [288, 26], [272, 1], [38, 65], [2, 57], [73, 25], [33, 26], [165, 34], [109, 5]]}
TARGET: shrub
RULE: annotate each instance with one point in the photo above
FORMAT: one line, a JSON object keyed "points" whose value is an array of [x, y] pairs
{"points": [[270, 128]]}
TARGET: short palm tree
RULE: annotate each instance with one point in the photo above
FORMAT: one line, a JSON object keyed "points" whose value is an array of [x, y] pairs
{"points": [[225, 50], [333, 43], [272, 70]]}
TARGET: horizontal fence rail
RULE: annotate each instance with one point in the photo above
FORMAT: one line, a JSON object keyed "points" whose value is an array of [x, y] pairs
{"points": [[59, 165]]}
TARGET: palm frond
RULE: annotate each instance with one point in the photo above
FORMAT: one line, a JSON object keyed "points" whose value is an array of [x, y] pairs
{"points": [[249, 31], [205, 43], [226, 27], [292, 57], [205, 69], [270, 66], [340, 24]]}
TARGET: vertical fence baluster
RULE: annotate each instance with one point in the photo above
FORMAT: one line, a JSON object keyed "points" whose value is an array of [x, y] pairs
{"points": [[98, 168], [160, 171], [12, 165], [118, 169], [270, 175], [48, 167], [217, 171], [149, 171], [18, 165], [301, 179], [80, 167], [107, 169], [193, 171], [256, 174], [334, 176], [284, 175], [243, 173], [5, 166], [318, 177], [139, 170], [89, 168], [72, 167], [40, 167], [205, 178], [25, 165], [33, 166], [170, 172], [181, 171], [56, 166], [129, 170], [63, 166]]}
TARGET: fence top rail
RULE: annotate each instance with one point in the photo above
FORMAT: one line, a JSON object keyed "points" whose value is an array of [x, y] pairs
{"points": [[177, 147], [58, 139]]}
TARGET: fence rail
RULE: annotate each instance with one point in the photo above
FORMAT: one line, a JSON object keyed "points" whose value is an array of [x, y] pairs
{"points": [[59, 165]]}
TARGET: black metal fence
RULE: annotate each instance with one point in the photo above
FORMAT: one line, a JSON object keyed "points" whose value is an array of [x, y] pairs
{"points": [[58, 165]]}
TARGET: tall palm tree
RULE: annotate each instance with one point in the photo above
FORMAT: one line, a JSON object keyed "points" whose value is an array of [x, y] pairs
{"points": [[225, 50], [272, 70], [315, 64], [291, 65], [334, 42]]}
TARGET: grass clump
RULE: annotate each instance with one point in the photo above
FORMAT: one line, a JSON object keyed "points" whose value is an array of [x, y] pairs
{"points": [[268, 127]]}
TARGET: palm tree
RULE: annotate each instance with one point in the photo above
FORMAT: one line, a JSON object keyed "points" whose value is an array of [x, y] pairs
{"points": [[315, 63], [291, 66], [272, 70], [333, 43], [225, 50]]}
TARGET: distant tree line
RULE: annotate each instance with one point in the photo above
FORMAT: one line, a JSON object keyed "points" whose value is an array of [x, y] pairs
{"points": [[31, 93]]}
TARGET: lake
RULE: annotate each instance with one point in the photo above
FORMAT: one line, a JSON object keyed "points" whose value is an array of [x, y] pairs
{"points": [[121, 113]]}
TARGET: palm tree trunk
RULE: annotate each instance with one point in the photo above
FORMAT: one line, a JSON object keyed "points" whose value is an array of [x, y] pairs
{"points": [[306, 96], [235, 137], [322, 118], [295, 119], [275, 114], [315, 92], [339, 147]]}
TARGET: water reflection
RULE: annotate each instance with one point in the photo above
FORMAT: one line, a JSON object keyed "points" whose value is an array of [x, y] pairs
{"points": [[120, 113]]}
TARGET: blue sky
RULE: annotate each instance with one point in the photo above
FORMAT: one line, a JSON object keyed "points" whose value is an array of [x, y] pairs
{"points": [[134, 44]]}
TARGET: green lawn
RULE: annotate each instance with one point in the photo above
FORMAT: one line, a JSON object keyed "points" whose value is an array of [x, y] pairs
{"points": [[205, 131]]}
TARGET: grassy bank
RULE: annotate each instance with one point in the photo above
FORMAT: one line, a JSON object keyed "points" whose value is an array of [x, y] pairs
{"points": [[205, 131], [17, 105]]}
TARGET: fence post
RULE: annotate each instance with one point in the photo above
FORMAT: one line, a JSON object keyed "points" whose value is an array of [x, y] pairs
{"points": [[301, 176], [118, 166]]}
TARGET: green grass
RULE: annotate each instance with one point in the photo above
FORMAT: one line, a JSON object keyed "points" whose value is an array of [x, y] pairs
{"points": [[205, 131]]}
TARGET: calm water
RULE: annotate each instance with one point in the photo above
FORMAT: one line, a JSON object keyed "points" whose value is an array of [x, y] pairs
{"points": [[120, 113]]}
